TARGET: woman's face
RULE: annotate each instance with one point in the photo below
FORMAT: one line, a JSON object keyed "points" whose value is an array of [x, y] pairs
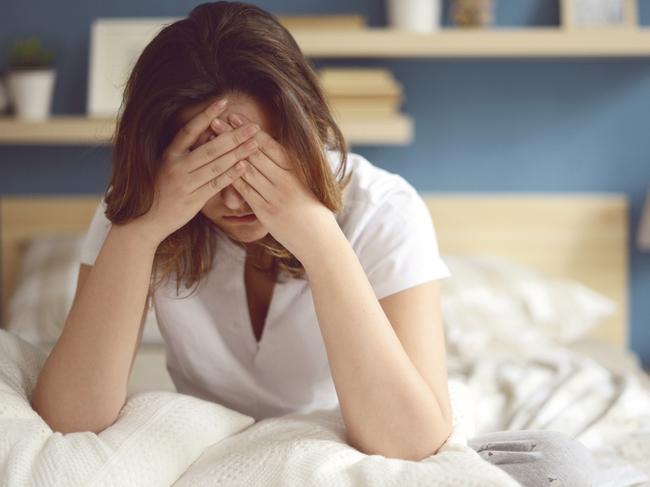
{"points": [[228, 202]]}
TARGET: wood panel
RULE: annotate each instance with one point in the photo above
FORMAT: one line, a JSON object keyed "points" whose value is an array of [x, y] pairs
{"points": [[22, 218], [581, 237]]}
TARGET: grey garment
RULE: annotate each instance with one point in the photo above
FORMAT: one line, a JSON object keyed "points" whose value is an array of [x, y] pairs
{"points": [[537, 458]]}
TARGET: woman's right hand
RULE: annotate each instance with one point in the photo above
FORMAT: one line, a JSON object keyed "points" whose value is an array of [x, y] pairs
{"points": [[187, 179]]}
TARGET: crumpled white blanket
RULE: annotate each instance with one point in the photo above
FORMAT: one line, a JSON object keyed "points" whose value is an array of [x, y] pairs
{"points": [[520, 341], [550, 386], [158, 435], [309, 449]]}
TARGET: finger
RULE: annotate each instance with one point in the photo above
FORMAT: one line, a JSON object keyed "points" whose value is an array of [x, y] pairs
{"points": [[215, 185], [209, 171], [274, 151], [219, 126], [254, 177], [258, 181], [266, 166], [218, 146], [252, 197], [190, 132], [271, 147]]}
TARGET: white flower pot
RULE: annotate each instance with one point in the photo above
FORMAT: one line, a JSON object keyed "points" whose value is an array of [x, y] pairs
{"points": [[31, 92], [414, 15]]}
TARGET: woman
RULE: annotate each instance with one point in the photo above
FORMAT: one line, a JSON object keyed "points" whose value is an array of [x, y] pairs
{"points": [[278, 286]]}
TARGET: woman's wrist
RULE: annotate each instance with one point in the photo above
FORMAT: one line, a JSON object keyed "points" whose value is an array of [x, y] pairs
{"points": [[327, 235], [140, 235]]}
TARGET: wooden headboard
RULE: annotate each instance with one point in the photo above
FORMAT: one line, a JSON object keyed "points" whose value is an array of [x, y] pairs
{"points": [[26, 217], [578, 236]]}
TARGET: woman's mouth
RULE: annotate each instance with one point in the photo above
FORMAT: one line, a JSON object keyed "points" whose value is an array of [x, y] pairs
{"points": [[241, 219]]}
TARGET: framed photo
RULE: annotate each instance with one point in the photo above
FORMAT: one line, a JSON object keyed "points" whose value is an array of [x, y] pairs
{"points": [[576, 14], [115, 45]]}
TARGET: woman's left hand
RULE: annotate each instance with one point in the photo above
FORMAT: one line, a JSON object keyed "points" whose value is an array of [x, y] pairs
{"points": [[280, 199]]}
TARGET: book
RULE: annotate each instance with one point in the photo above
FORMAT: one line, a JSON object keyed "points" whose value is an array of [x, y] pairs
{"points": [[359, 81], [363, 90], [365, 107], [339, 75], [351, 21]]}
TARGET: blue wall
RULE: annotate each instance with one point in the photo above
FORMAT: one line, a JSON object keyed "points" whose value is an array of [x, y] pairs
{"points": [[542, 125]]}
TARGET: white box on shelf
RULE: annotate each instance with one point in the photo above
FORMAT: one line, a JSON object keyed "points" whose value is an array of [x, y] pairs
{"points": [[115, 45]]}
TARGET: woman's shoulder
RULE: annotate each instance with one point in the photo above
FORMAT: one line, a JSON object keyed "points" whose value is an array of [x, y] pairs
{"points": [[373, 190], [389, 226]]}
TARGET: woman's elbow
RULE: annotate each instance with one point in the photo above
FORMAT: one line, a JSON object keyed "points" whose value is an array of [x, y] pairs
{"points": [[418, 452], [414, 451], [72, 421]]}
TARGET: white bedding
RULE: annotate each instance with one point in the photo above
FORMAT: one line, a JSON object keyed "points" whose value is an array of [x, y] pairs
{"points": [[563, 388], [158, 435], [551, 388], [511, 338]]}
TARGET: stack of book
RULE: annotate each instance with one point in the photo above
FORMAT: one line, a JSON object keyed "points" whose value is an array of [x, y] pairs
{"points": [[343, 21], [366, 101], [361, 92]]}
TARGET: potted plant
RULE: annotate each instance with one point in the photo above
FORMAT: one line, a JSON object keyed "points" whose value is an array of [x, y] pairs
{"points": [[31, 79]]}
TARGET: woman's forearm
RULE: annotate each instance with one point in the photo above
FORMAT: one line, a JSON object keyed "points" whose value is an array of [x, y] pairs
{"points": [[82, 385], [387, 406]]}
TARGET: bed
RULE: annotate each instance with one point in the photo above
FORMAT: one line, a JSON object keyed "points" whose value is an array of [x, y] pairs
{"points": [[536, 323]]}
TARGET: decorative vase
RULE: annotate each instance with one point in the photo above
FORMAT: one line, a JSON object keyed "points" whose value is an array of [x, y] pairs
{"points": [[472, 13], [414, 15], [30, 91]]}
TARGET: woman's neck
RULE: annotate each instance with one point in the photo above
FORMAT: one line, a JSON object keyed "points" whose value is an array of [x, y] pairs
{"points": [[255, 256]]}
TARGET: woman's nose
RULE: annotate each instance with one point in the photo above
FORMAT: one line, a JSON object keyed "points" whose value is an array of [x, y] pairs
{"points": [[231, 198]]}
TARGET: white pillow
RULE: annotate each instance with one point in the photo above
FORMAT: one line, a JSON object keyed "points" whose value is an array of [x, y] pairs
{"points": [[46, 285], [490, 301], [155, 438]]}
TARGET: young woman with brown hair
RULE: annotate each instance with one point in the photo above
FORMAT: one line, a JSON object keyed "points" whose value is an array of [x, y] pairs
{"points": [[303, 287]]}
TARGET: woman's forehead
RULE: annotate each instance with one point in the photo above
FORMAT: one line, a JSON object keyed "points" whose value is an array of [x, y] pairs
{"points": [[241, 104]]}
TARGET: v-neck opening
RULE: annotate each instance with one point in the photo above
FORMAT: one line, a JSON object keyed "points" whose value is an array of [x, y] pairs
{"points": [[247, 318], [248, 311], [238, 254]]}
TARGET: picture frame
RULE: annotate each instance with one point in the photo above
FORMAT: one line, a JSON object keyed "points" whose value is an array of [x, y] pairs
{"points": [[609, 14], [115, 45]]}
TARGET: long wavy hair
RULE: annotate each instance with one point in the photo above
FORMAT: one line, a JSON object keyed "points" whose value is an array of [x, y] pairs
{"points": [[219, 48]]}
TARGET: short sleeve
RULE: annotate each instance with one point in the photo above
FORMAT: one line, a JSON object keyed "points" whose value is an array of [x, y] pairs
{"points": [[397, 246], [95, 235]]}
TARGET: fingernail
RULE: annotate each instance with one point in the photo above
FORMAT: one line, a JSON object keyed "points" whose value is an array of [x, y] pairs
{"points": [[216, 123], [221, 103], [236, 120]]}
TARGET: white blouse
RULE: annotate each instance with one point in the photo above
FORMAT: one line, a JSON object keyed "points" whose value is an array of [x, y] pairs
{"points": [[211, 350]]}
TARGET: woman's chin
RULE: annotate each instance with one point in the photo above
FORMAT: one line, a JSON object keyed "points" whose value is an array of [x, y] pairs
{"points": [[247, 235]]}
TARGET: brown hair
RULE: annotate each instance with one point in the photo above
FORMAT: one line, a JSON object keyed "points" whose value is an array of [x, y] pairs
{"points": [[220, 47]]}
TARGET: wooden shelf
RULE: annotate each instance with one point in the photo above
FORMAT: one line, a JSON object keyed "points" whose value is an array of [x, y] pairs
{"points": [[456, 43], [57, 130], [382, 43], [80, 130]]}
